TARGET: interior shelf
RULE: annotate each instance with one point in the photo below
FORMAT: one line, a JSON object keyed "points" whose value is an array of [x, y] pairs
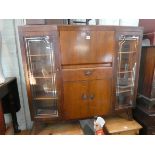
{"points": [[47, 112], [128, 86], [38, 55], [45, 98], [123, 91], [124, 72], [41, 77], [127, 52]]}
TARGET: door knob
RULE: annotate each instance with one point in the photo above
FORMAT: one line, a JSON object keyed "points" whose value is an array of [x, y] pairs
{"points": [[84, 97], [92, 96], [88, 72]]}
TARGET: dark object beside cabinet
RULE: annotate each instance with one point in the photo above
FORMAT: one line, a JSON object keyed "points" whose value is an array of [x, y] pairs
{"points": [[146, 89], [143, 116], [145, 111], [9, 102], [77, 72]]}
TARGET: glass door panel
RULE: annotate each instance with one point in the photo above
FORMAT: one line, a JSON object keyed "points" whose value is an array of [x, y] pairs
{"points": [[126, 69], [42, 75]]}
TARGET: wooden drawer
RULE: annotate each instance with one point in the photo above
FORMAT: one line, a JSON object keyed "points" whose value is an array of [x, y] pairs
{"points": [[79, 74]]}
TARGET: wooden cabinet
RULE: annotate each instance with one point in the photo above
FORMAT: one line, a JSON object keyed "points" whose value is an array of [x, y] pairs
{"points": [[146, 87], [42, 70], [147, 73], [74, 72], [89, 98], [145, 108]]}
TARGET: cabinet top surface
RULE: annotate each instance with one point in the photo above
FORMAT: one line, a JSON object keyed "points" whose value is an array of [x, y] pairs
{"points": [[98, 27], [80, 27]]}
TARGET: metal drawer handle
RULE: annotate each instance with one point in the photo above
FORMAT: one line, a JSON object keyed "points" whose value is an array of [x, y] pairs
{"points": [[84, 97], [92, 96], [88, 72]]}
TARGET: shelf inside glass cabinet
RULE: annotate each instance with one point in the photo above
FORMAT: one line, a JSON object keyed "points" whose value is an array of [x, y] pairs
{"points": [[48, 107], [42, 66], [44, 89], [53, 112], [125, 98]]}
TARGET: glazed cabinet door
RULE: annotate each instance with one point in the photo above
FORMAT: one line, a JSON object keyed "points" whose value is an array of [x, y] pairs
{"points": [[75, 100], [100, 92], [128, 56], [42, 72], [86, 46]]}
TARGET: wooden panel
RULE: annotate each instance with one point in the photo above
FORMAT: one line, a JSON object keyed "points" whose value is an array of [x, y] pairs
{"points": [[75, 100], [84, 47], [147, 67], [86, 73], [100, 97], [148, 24]]}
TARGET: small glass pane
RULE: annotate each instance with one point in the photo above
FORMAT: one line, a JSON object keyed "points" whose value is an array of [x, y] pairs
{"points": [[39, 46], [128, 43]]}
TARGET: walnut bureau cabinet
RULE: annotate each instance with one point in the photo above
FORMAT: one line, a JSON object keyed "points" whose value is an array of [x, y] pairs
{"points": [[77, 72], [145, 108]]}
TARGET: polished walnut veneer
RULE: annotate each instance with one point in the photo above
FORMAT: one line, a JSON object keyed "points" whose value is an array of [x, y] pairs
{"points": [[72, 71], [145, 109], [147, 75]]}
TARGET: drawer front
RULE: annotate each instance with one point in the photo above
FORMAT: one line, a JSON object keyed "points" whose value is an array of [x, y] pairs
{"points": [[87, 73]]}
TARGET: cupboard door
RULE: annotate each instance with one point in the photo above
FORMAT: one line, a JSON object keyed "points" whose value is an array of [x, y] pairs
{"points": [[127, 69], [75, 100], [100, 97], [43, 75], [85, 47]]}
